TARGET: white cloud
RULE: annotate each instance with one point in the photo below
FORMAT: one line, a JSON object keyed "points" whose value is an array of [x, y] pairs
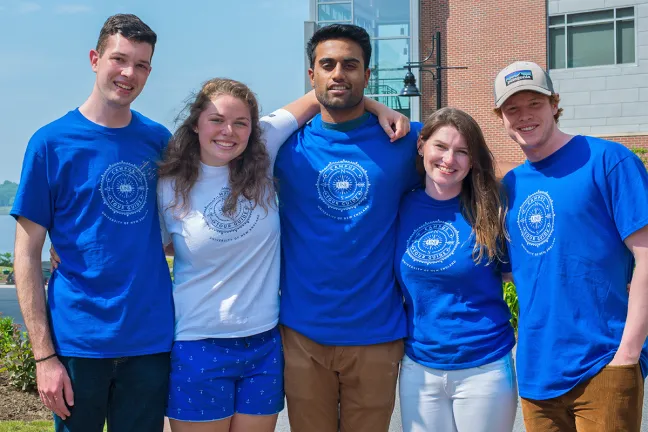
{"points": [[72, 9], [28, 7]]}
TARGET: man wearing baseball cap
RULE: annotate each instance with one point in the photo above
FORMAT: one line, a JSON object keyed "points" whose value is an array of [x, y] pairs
{"points": [[578, 225]]}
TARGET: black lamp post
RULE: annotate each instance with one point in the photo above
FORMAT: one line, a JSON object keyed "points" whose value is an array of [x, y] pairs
{"points": [[410, 89]]}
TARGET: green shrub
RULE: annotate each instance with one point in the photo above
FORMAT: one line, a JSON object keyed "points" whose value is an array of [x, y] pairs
{"points": [[7, 331], [642, 153], [511, 298], [20, 365], [16, 357]]}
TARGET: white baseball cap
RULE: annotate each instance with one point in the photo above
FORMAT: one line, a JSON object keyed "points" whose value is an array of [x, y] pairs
{"points": [[520, 76]]}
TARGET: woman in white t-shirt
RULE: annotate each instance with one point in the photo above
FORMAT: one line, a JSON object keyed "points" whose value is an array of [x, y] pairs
{"points": [[218, 208]]}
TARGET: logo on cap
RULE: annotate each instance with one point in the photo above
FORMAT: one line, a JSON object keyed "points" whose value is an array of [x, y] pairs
{"points": [[516, 76]]}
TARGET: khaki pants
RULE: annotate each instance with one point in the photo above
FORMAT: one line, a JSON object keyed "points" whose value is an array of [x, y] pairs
{"points": [[361, 379], [611, 401]]}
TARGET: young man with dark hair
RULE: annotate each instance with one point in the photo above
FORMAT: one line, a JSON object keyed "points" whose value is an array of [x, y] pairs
{"points": [[578, 226], [337, 31], [102, 337], [340, 185]]}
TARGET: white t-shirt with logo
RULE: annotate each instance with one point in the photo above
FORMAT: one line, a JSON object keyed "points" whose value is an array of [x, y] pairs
{"points": [[226, 269]]}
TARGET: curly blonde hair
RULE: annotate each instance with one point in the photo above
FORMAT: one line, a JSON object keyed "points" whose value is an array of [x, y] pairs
{"points": [[248, 173]]}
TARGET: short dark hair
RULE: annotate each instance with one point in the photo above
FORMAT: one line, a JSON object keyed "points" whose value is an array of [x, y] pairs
{"points": [[129, 26], [340, 31]]}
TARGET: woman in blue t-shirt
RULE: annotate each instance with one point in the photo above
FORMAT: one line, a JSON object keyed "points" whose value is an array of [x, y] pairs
{"points": [[458, 372]]}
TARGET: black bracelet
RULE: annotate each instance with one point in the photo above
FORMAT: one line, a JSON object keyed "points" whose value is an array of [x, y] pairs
{"points": [[45, 358]]}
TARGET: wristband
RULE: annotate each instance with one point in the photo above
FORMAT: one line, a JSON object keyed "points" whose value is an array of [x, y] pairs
{"points": [[45, 358]]}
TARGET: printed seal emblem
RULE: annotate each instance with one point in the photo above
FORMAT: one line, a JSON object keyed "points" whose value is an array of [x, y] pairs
{"points": [[536, 218], [343, 185], [220, 222], [124, 189], [433, 242]]}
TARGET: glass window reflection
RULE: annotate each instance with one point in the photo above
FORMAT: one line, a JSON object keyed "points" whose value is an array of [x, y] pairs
{"points": [[334, 12], [383, 18]]}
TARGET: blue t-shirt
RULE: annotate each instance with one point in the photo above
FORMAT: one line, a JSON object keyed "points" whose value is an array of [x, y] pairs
{"points": [[339, 194], [456, 314], [94, 189], [568, 217]]}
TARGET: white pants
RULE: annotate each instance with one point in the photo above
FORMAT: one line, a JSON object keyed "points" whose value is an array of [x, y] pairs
{"points": [[480, 399]]}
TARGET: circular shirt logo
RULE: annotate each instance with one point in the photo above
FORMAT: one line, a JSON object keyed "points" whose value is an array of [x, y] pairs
{"points": [[124, 188], [433, 242], [222, 223], [343, 185], [536, 218]]}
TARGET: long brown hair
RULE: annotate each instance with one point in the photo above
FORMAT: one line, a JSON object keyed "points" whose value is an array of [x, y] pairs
{"points": [[483, 203], [248, 173]]}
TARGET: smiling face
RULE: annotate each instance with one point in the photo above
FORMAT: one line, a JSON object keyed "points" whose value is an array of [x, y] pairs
{"points": [[223, 127], [122, 69], [528, 118], [339, 77], [446, 161]]}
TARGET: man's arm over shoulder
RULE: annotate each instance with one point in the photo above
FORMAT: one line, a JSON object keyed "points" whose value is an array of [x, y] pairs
{"points": [[278, 126], [395, 124]]}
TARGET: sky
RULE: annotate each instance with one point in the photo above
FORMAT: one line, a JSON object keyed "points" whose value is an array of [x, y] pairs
{"points": [[45, 68]]}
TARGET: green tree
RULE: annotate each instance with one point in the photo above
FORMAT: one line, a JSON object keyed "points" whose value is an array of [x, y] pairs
{"points": [[6, 260], [8, 191]]}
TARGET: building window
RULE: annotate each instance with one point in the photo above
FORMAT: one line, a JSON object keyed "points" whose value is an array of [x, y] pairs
{"points": [[389, 24], [604, 37], [338, 12]]}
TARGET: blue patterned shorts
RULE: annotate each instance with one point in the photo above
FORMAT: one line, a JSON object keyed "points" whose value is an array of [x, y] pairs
{"points": [[211, 379]]}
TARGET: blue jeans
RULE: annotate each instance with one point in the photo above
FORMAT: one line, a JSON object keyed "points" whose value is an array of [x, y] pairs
{"points": [[129, 393]]}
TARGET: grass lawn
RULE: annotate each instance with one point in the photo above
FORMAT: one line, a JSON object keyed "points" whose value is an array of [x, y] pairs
{"points": [[34, 426], [18, 426]]}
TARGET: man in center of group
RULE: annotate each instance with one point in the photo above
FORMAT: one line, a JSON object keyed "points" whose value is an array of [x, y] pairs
{"points": [[340, 184]]}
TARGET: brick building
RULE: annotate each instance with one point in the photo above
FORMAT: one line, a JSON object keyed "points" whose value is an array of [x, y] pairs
{"points": [[596, 52]]}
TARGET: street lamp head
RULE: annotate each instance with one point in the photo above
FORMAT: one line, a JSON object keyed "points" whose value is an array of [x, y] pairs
{"points": [[410, 89]]}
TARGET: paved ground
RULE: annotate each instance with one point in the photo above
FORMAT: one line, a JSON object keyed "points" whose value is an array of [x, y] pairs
{"points": [[9, 307], [282, 423]]}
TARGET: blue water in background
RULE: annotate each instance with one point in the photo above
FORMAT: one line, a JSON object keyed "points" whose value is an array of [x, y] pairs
{"points": [[8, 234]]}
